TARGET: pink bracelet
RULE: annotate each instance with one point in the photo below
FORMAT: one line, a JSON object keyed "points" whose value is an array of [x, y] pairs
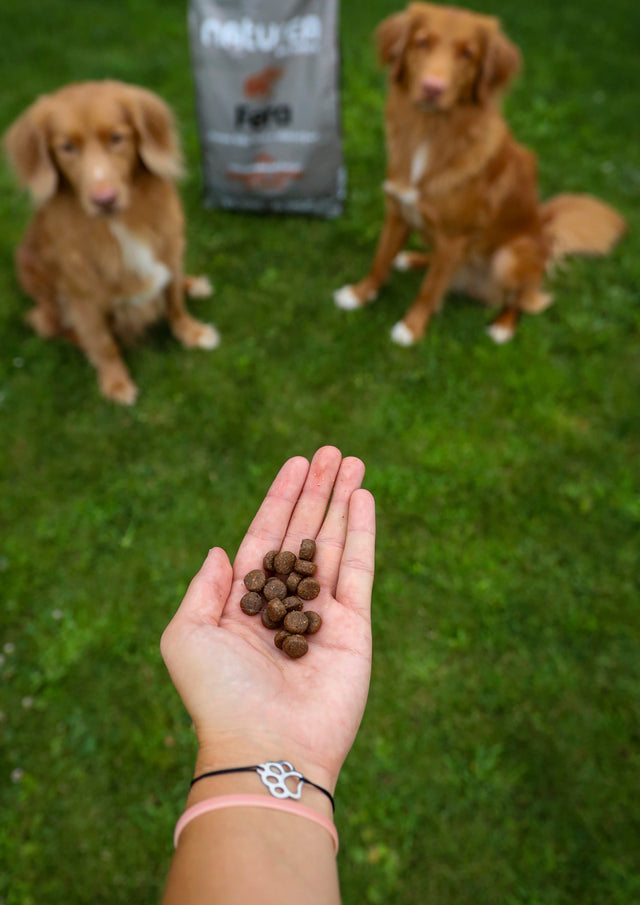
{"points": [[253, 801]]}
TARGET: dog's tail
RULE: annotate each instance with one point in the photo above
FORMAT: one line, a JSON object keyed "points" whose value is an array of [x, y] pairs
{"points": [[580, 224]]}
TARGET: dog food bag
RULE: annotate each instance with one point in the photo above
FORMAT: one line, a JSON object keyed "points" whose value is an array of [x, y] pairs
{"points": [[266, 77]]}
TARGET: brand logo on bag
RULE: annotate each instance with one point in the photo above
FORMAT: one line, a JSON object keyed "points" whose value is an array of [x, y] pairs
{"points": [[300, 35]]}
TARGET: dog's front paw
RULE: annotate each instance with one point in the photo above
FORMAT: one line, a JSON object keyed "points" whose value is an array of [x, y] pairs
{"points": [[351, 297], [346, 299], [209, 337], [411, 260], [195, 335], [402, 335], [402, 261], [198, 287], [500, 333], [118, 388]]}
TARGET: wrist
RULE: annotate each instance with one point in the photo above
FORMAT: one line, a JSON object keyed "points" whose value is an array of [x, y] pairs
{"points": [[227, 752], [221, 803], [309, 784]]}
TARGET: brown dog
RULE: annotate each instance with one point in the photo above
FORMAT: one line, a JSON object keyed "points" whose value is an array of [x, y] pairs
{"points": [[457, 176], [102, 257]]}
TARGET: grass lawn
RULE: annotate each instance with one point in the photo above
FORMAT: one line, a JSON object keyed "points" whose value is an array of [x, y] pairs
{"points": [[498, 761]]}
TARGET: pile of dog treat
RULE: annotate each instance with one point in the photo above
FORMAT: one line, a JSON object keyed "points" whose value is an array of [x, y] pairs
{"points": [[278, 592]]}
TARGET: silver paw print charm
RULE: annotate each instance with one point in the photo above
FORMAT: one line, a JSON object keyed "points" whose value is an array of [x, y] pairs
{"points": [[274, 775]]}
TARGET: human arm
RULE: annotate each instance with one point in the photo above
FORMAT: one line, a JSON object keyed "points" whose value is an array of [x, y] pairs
{"points": [[251, 704]]}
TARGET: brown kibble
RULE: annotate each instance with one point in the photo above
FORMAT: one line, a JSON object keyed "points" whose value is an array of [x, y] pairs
{"points": [[307, 548], [293, 603], [278, 593], [267, 621], [280, 637], [296, 622], [275, 587], [284, 562], [315, 621], [295, 646], [304, 567], [255, 580], [252, 603], [276, 610], [308, 588], [267, 562]]}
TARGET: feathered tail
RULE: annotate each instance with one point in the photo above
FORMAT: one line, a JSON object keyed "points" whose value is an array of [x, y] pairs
{"points": [[580, 224]]}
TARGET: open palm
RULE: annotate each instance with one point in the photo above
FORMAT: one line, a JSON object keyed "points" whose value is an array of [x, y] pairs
{"points": [[248, 699]]}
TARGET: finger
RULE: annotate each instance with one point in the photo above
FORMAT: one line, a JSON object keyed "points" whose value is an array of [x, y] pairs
{"points": [[208, 590], [312, 505], [355, 579], [332, 535], [269, 525]]}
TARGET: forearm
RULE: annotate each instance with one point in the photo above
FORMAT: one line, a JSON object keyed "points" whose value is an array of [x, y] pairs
{"points": [[237, 855]]}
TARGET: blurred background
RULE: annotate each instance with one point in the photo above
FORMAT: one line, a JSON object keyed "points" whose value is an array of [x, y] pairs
{"points": [[498, 761]]}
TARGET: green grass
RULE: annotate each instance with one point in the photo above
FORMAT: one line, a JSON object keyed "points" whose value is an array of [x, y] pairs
{"points": [[498, 761]]}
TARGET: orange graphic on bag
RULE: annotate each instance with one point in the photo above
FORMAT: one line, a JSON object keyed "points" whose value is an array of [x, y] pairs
{"points": [[260, 84], [265, 173]]}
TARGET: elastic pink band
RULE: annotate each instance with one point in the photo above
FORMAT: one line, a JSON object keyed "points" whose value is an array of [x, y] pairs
{"points": [[253, 801]]}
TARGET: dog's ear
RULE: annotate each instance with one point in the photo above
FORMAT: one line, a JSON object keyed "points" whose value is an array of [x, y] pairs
{"points": [[155, 128], [391, 37], [27, 150], [501, 61]]}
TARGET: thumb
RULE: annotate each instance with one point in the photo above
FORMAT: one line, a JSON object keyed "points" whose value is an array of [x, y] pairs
{"points": [[208, 590]]}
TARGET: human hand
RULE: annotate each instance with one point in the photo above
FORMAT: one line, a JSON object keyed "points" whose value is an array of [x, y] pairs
{"points": [[249, 702]]}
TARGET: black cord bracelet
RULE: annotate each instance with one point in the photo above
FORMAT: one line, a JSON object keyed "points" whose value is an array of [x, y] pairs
{"points": [[274, 775]]}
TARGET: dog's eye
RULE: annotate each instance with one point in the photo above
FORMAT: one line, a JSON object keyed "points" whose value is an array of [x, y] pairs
{"points": [[424, 42], [116, 138], [466, 51], [67, 146]]}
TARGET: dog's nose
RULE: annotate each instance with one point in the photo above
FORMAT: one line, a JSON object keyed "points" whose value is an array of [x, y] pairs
{"points": [[104, 196], [432, 87]]}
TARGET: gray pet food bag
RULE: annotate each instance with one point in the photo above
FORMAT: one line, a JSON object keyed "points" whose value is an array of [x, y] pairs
{"points": [[267, 96]]}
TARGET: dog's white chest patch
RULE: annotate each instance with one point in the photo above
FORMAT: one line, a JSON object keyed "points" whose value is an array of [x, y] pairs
{"points": [[138, 257], [419, 163], [408, 195]]}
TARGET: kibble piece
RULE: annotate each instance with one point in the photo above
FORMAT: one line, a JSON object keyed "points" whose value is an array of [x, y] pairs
{"points": [[267, 621], [276, 610], [255, 579], [292, 603], [304, 567], [267, 562], [252, 603], [315, 621], [293, 580], [296, 622], [295, 646], [275, 587], [307, 548], [284, 562], [308, 588], [280, 637]]}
